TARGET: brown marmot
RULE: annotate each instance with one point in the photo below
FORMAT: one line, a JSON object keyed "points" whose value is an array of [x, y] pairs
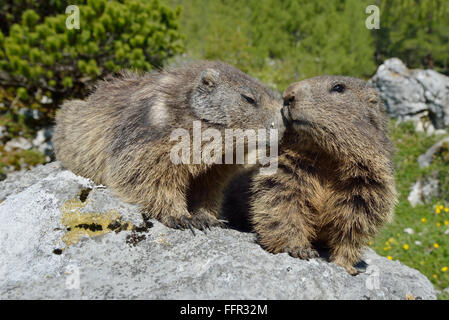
{"points": [[334, 186], [121, 136]]}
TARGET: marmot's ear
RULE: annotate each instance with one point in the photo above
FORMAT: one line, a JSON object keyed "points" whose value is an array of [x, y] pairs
{"points": [[209, 78]]}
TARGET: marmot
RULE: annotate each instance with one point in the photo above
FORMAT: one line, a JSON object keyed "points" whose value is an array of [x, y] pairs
{"points": [[120, 136], [334, 186]]}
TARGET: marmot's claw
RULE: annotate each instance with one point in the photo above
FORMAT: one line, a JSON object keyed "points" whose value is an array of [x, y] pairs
{"points": [[181, 223], [352, 271], [204, 220], [304, 253], [349, 268], [200, 221]]}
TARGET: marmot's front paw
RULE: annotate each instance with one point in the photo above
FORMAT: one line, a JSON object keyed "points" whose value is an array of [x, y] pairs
{"points": [[200, 220], [349, 268], [304, 253], [207, 220]]}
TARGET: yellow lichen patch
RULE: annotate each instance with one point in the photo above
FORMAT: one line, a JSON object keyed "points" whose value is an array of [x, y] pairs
{"points": [[409, 296], [79, 223]]}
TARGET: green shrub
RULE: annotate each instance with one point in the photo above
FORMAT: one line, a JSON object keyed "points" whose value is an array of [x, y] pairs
{"points": [[11, 10], [40, 55], [414, 31]]}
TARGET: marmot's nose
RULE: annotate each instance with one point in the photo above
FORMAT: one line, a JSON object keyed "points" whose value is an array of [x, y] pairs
{"points": [[298, 91], [288, 95]]}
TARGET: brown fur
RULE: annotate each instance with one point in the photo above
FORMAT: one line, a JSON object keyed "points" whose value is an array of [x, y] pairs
{"points": [[334, 186], [120, 136]]}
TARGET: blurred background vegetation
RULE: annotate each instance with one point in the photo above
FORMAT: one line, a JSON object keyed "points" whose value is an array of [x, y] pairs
{"points": [[42, 63]]}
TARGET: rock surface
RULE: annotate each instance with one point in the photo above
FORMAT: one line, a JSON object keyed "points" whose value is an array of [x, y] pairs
{"points": [[40, 260], [424, 190], [18, 143], [426, 158], [413, 94], [42, 141]]}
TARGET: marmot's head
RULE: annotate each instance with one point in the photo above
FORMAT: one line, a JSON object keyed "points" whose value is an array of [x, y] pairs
{"points": [[226, 96], [341, 115]]}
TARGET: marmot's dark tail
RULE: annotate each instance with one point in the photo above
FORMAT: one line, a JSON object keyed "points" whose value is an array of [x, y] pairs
{"points": [[235, 205]]}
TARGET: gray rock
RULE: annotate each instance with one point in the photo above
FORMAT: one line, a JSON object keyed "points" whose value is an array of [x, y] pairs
{"points": [[46, 100], [17, 181], [426, 158], [18, 143], [42, 141], [3, 132], [424, 190], [411, 94], [166, 263], [30, 113]]}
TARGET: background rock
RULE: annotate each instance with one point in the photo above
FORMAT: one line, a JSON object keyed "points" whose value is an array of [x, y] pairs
{"points": [[159, 263], [413, 94], [424, 190], [18, 143], [42, 142], [426, 159]]}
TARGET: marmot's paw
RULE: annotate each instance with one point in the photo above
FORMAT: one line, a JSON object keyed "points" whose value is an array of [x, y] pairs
{"points": [[200, 220], [349, 268], [207, 220], [304, 253]]}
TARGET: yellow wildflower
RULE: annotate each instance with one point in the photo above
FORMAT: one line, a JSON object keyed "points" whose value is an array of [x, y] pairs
{"points": [[435, 276], [438, 224], [423, 220], [389, 257], [405, 246], [446, 209], [436, 245], [446, 223], [444, 269], [438, 210]]}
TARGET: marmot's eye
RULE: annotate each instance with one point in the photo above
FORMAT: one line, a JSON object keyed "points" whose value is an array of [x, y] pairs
{"points": [[338, 88], [249, 99]]}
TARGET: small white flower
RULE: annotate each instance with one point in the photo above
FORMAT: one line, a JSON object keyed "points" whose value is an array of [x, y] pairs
{"points": [[409, 230], [418, 243], [46, 100]]}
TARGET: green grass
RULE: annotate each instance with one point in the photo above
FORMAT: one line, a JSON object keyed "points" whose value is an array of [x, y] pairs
{"points": [[20, 158], [428, 248]]}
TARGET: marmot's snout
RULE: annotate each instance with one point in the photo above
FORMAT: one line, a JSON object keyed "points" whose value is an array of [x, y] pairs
{"points": [[298, 103]]}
